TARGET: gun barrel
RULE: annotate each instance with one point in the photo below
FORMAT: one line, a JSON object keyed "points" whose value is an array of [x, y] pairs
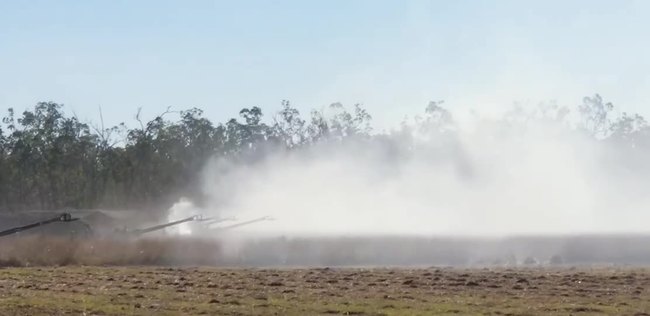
{"points": [[139, 232], [64, 217], [220, 220], [261, 219]]}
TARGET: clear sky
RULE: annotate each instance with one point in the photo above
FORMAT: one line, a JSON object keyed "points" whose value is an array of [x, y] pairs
{"points": [[391, 56]]}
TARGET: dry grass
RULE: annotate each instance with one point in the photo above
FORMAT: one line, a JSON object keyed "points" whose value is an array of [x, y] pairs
{"points": [[56, 251], [61, 276], [211, 291]]}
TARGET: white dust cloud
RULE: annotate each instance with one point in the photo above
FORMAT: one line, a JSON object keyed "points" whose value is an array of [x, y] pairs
{"points": [[499, 177], [181, 210]]}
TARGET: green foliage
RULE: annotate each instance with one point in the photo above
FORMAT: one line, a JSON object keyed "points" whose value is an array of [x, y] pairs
{"points": [[51, 161]]}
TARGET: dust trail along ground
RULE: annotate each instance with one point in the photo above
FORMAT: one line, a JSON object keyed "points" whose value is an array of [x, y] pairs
{"points": [[212, 291], [235, 250]]}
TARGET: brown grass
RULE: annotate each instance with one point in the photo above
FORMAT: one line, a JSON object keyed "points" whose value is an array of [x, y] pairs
{"points": [[217, 291], [56, 251]]}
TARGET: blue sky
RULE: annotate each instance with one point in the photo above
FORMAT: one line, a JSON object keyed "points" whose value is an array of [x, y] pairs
{"points": [[391, 56]]}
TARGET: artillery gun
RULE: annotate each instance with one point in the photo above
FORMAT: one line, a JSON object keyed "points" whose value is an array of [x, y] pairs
{"points": [[219, 220], [206, 223], [142, 231], [229, 227], [64, 217]]}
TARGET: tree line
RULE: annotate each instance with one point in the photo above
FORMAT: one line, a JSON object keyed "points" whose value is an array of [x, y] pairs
{"points": [[50, 160]]}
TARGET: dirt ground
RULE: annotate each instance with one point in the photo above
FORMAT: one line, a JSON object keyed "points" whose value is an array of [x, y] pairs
{"points": [[217, 291]]}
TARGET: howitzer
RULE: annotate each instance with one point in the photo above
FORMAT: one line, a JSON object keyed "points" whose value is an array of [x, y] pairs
{"points": [[64, 217], [139, 232], [261, 219], [211, 221]]}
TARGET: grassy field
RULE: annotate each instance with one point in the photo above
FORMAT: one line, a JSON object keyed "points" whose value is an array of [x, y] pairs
{"points": [[216, 291]]}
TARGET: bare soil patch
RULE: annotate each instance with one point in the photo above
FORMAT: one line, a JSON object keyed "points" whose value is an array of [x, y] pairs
{"points": [[217, 291]]}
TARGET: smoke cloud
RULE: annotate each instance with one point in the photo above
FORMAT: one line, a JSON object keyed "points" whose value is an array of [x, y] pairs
{"points": [[524, 174]]}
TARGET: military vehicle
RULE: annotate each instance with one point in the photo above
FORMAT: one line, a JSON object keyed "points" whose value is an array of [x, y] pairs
{"points": [[98, 223], [205, 224], [229, 227], [61, 218]]}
